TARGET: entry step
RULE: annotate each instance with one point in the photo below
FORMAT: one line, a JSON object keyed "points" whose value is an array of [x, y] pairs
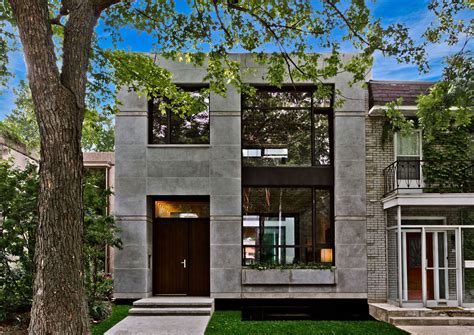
{"points": [[170, 311], [432, 321], [173, 305]]}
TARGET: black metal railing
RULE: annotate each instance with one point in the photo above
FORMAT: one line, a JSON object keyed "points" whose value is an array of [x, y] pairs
{"points": [[429, 176]]}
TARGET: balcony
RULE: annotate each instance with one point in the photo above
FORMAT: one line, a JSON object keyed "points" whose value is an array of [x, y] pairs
{"points": [[421, 176]]}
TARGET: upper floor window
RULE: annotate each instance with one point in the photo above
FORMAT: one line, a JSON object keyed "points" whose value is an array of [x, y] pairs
{"points": [[171, 128], [286, 127]]}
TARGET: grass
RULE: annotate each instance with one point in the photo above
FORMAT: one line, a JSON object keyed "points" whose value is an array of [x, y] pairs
{"points": [[229, 322], [119, 312]]}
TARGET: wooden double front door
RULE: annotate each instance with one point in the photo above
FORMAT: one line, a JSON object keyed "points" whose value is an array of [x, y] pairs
{"points": [[181, 256]]}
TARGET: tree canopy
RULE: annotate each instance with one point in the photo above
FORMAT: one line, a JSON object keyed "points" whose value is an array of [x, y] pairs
{"points": [[74, 64]]}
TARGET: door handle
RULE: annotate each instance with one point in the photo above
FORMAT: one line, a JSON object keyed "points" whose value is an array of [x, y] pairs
{"points": [[184, 263]]}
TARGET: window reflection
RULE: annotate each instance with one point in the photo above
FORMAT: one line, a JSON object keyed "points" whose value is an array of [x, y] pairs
{"points": [[278, 225], [167, 127], [285, 128], [181, 209]]}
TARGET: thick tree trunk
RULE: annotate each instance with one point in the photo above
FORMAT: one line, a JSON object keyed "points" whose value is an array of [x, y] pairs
{"points": [[59, 305]]}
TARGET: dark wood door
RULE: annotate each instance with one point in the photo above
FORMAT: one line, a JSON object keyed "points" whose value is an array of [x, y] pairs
{"points": [[181, 257], [199, 257], [170, 252]]}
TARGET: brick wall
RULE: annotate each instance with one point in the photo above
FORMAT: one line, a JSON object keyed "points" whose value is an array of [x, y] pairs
{"points": [[377, 158]]}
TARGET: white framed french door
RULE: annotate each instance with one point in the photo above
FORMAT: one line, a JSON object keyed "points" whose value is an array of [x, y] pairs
{"points": [[431, 266], [441, 264]]}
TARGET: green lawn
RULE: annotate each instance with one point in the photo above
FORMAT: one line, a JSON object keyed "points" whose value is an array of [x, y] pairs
{"points": [[119, 312], [229, 322]]}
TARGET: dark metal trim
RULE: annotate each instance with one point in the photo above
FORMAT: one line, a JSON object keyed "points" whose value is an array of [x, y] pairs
{"points": [[288, 176]]}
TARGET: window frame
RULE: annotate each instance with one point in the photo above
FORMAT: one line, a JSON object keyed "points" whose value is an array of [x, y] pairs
{"points": [[168, 136], [314, 245], [314, 110]]}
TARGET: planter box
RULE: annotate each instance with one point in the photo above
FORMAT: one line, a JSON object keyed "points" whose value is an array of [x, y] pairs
{"points": [[289, 277]]}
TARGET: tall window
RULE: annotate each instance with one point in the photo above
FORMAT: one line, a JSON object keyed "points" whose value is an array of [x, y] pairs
{"points": [[408, 155], [286, 225], [170, 128], [286, 127]]}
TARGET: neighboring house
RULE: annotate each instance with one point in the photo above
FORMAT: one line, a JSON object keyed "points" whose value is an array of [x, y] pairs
{"points": [[17, 152], [282, 178], [279, 178], [420, 232], [104, 161]]}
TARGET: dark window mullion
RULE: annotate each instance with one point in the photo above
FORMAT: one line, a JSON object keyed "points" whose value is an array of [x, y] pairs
{"points": [[313, 218], [313, 154], [168, 133]]}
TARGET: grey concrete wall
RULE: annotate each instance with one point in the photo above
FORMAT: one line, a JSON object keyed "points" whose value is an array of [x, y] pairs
{"points": [[132, 273], [349, 189], [144, 170]]}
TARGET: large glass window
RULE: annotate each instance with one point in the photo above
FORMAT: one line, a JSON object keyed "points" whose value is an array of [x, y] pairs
{"points": [[166, 127], [286, 127], [286, 225]]}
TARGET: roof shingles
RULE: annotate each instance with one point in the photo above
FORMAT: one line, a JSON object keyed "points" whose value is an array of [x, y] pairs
{"points": [[381, 92]]}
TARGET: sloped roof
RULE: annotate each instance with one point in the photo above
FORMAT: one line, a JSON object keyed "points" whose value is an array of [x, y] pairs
{"points": [[381, 91]]}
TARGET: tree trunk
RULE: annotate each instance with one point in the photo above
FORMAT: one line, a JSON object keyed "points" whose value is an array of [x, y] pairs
{"points": [[59, 305]]}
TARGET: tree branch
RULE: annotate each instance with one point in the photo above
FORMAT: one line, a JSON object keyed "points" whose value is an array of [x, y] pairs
{"points": [[220, 20]]}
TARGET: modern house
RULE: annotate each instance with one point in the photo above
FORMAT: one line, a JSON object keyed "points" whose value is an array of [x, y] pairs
{"points": [[208, 204]]}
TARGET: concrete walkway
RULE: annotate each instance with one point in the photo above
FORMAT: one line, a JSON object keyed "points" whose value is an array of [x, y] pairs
{"points": [[162, 325], [438, 330]]}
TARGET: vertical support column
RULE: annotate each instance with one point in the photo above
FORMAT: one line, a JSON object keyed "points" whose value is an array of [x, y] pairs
{"points": [[399, 248], [132, 272], [436, 265], [459, 266], [404, 267], [350, 190], [225, 195], [424, 286]]}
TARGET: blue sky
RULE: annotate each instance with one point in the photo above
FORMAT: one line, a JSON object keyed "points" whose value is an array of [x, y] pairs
{"points": [[412, 13]]}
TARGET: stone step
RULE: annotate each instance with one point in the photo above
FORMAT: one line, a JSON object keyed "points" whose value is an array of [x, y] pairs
{"points": [[170, 304], [170, 311], [431, 321]]}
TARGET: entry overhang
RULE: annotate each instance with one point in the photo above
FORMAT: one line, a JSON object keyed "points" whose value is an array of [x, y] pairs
{"points": [[428, 199]]}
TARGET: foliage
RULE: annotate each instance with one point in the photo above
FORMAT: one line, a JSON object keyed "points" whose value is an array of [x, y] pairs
{"points": [[230, 322], [100, 232], [119, 312], [20, 124], [18, 210], [310, 265], [18, 222], [445, 115]]}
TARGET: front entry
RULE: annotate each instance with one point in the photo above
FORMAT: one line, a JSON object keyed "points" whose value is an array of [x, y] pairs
{"points": [[181, 256], [431, 266]]}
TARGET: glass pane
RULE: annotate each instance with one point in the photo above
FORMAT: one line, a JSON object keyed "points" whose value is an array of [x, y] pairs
{"points": [[159, 127], [468, 256], [321, 140], [392, 259], [323, 216], [278, 217], [250, 231], [408, 168], [275, 99], [408, 144], [184, 129], [192, 129], [413, 267], [469, 285], [284, 136], [181, 209]]}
